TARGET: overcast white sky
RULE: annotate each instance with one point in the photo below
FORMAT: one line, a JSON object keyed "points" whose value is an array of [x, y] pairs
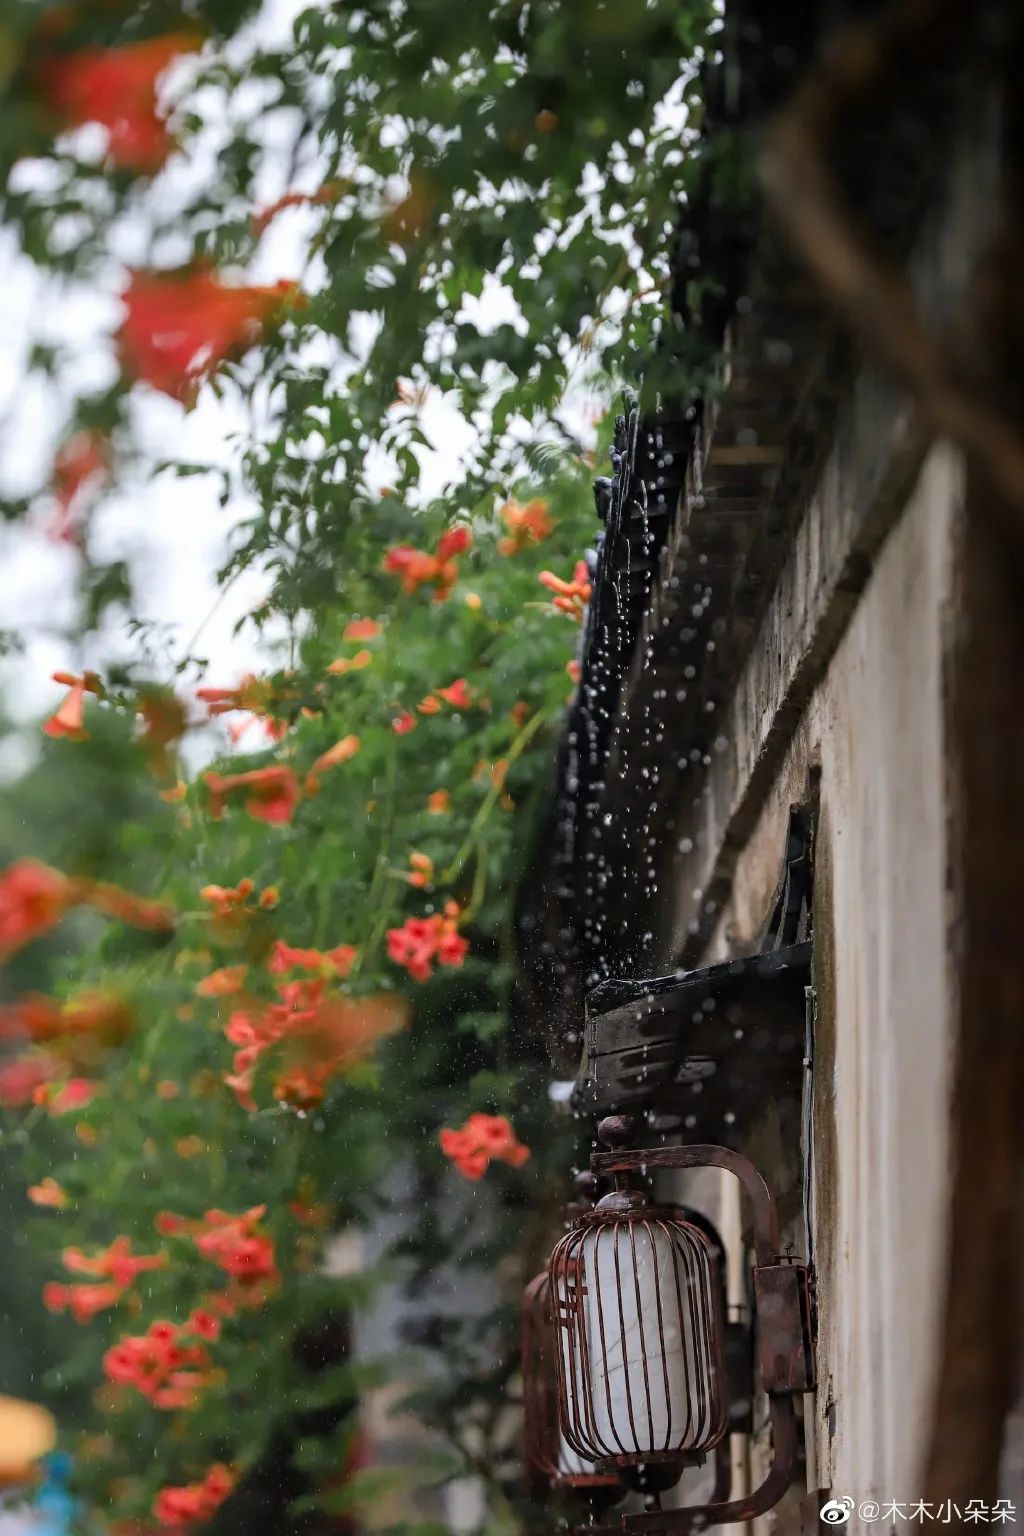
{"points": [[172, 531]]}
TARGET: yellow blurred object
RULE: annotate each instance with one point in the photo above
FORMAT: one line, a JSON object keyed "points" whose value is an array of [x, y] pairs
{"points": [[27, 1432]]}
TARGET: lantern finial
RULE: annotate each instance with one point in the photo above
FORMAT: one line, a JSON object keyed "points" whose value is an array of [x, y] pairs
{"points": [[617, 1131]]}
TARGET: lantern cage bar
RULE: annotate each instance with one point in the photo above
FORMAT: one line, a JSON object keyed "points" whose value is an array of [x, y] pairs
{"points": [[547, 1451]]}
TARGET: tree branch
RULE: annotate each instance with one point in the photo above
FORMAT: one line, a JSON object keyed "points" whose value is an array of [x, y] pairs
{"points": [[875, 297]]}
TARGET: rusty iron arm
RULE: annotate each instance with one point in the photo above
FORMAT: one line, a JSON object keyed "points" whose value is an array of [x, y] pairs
{"points": [[679, 1522], [705, 1155]]}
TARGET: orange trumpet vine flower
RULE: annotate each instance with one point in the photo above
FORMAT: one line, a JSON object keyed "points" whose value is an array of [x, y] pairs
{"points": [[69, 719], [361, 629], [418, 568], [422, 940], [571, 597], [457, 694], [341, 752], [271, 794], [329, 962], [526, 525], [482, 1138], [194, 1502], [222, 983], [48, 1195], [116, 1263], [350, 663], [33, 899], [82, 1301], [63, 1098]]}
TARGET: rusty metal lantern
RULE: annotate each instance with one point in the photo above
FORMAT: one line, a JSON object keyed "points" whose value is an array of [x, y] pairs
{"points": [[638, 1300], [640, 1325], [547, 1451]]}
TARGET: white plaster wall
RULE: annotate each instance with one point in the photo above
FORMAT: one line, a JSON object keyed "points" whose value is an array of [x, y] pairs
{"points": [[881, 1141]]}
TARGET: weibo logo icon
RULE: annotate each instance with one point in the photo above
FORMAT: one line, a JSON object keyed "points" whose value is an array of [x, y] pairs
{"points": [[836, 1511]]}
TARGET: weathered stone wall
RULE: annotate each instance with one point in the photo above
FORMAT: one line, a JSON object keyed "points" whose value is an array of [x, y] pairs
{"points": [[875, 727]]}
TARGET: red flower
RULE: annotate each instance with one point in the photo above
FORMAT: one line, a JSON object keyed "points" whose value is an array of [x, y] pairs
{"points": [[21, 1080], [457, 694], [194, 1501], [33, 1017], [316, 1037], [422, 940], [271, 794], [252, 693], [79, 469], [83, 1301], [421, 869], [455, 542], [116, 1263], [179, 1506], [76, 1093], [227, 900], [274, 730], [169, 1225], [331, 962], [470, 1161], [356, 663], [418, 568], [48, 1194], [414, 566], [125, 905], [77, 1026], [361, 629], [222, 983], [482, 1138], [180, 328], [33, 899], [404, 723], [205, 1325], [571, 597], [157, 1365], [526, 525], [341, 752], [117, 87], [235, 1246]]}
